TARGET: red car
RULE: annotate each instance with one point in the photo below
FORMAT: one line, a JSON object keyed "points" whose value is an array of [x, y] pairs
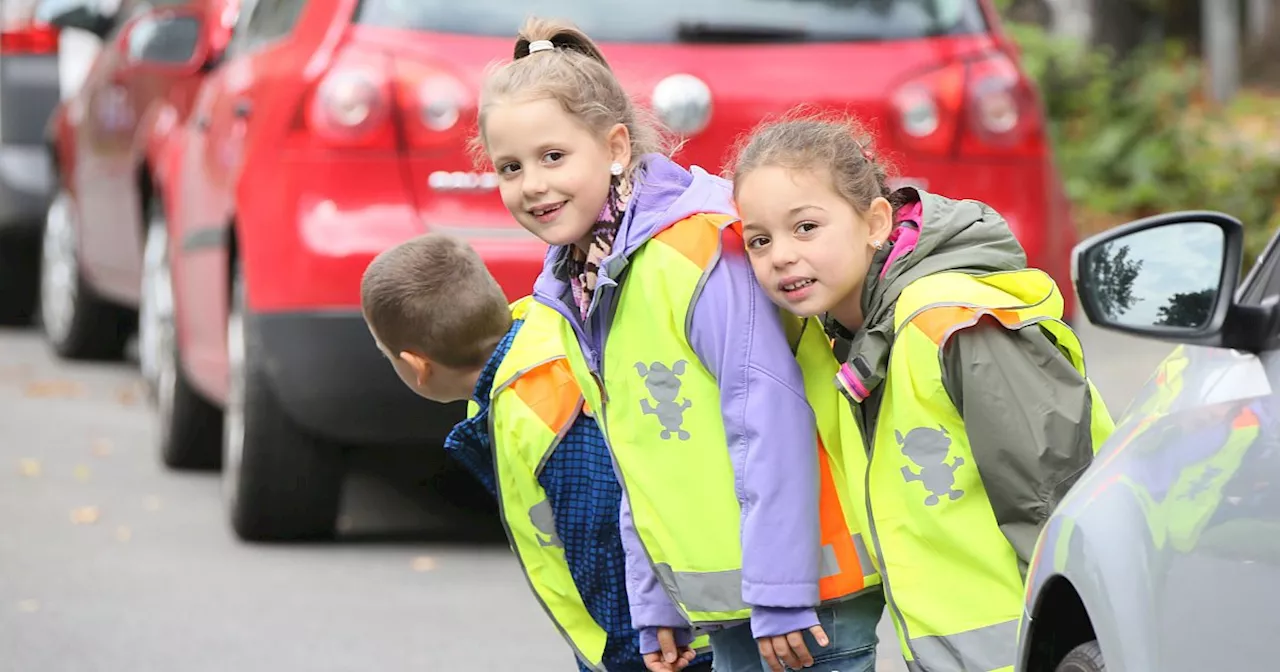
{"points": [[329, 130], [108, 142]]}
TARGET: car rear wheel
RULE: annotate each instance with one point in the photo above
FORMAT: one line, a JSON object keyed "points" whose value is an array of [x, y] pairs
{"points": [[78, 323], [190, 426], [19, 276], [1084, 658], [280, 483]]}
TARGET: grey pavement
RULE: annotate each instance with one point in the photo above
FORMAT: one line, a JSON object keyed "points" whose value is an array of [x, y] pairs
{"points": [[110, 563]]}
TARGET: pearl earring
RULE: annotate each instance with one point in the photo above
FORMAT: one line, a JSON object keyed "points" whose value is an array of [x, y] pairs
{"points": [[877, 244], [615, 169]]}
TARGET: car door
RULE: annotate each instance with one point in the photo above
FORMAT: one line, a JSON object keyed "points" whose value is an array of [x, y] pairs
{"points": [[211, 168], [1215, 580]]}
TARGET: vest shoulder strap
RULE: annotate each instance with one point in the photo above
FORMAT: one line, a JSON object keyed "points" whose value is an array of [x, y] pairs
{"points": [[697, 237], [940, 303], [520, 307], [538, 341], [550, 391]]}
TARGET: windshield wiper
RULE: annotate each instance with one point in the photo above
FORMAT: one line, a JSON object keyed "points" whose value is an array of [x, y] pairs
{"points": [[727, 33]]}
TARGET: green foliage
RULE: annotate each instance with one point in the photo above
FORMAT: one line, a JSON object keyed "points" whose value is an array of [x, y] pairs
{"points": [[1132, 139]]}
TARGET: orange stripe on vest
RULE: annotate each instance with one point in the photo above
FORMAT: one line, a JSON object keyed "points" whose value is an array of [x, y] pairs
{"points": [[542, 391], [937, 322], [696, 237], [835, 532]]}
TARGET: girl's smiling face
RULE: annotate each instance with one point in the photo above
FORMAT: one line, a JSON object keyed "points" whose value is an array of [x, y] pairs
{"points": [[809, 247], [554, 172]]}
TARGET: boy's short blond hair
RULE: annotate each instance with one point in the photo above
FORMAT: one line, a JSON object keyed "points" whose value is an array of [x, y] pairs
{"points": [[433, 295]]}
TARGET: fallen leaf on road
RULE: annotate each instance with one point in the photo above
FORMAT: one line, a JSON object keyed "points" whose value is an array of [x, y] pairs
{"points": [[29, 467], [85, 515], [123, 533], [28, 606], [54, 388], [424, 563], [127, 396], [82, 473], [151, 503], [100, 447]]}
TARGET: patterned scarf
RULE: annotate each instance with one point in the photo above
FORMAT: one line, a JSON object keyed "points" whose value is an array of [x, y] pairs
{"points": [[582, 266]]}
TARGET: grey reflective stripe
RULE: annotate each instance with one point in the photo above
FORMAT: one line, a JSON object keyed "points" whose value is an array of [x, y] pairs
{"points": [[864, 558], [993, 647], [703, 591], [831, 565], [544, 520]]}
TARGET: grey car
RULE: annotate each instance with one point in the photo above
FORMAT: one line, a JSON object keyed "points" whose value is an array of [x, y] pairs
{"points": [[29, 92], [1165, 554]]}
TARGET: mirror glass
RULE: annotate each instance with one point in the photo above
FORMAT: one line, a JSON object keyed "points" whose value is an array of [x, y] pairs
{"points": [[1165, 277], [170, 40]]}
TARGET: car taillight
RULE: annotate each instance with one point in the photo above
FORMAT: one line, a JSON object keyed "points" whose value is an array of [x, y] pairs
{"points": [[351, 104], [433, 105], [29, 39], [371, 100], [977, 107]]}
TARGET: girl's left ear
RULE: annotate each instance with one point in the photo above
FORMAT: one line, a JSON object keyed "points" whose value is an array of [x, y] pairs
{"points": [[618, 141], [880, 219]]}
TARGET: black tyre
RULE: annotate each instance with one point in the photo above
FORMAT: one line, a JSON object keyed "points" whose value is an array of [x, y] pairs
{"points": [[190, 427], [281, 484], [1084, 658], [19, 277], [78, 323]]}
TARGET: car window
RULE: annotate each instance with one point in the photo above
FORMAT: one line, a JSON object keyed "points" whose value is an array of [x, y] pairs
{"points": [[170, 39], [721, 21], [263, 22]]}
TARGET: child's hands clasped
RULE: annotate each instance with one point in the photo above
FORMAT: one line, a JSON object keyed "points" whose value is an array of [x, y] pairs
{"points": [[669, 657], [789, 649]]}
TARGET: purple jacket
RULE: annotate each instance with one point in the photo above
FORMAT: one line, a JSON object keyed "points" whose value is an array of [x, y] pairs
{"points": [[769, 425]]}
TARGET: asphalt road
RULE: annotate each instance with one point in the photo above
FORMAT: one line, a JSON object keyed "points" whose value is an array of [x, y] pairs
{"points": [[110, 563]]}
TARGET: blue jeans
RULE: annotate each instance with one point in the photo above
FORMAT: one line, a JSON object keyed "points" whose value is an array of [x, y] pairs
{"points": [[850, 627]]}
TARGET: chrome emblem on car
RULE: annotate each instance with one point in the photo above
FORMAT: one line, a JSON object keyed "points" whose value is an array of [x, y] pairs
{"points": [[457, 180], [683, 103]]}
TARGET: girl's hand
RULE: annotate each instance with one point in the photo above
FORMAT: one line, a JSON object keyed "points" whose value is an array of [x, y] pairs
{"points": [[790, 649], [668, 658]]}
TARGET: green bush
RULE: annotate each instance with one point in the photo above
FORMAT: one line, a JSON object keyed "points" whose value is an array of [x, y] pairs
{"points": [[1131, 138]]}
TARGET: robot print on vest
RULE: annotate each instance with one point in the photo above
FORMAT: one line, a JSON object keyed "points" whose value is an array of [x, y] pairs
{"points": [[664, 386], [544, 521], [928, 449]]}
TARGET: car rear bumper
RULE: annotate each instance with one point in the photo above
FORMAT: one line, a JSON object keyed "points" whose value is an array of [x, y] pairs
{"points": [[28, 95], [330, 378], [26, 186]]}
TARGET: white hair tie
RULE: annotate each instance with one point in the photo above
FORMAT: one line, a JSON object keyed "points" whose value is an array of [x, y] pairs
{"points": [[540, 45]]}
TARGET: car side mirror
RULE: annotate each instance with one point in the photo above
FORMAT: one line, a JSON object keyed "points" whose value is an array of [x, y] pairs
{"points": [[1171, 277], [77, 14], [168, 41]]}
